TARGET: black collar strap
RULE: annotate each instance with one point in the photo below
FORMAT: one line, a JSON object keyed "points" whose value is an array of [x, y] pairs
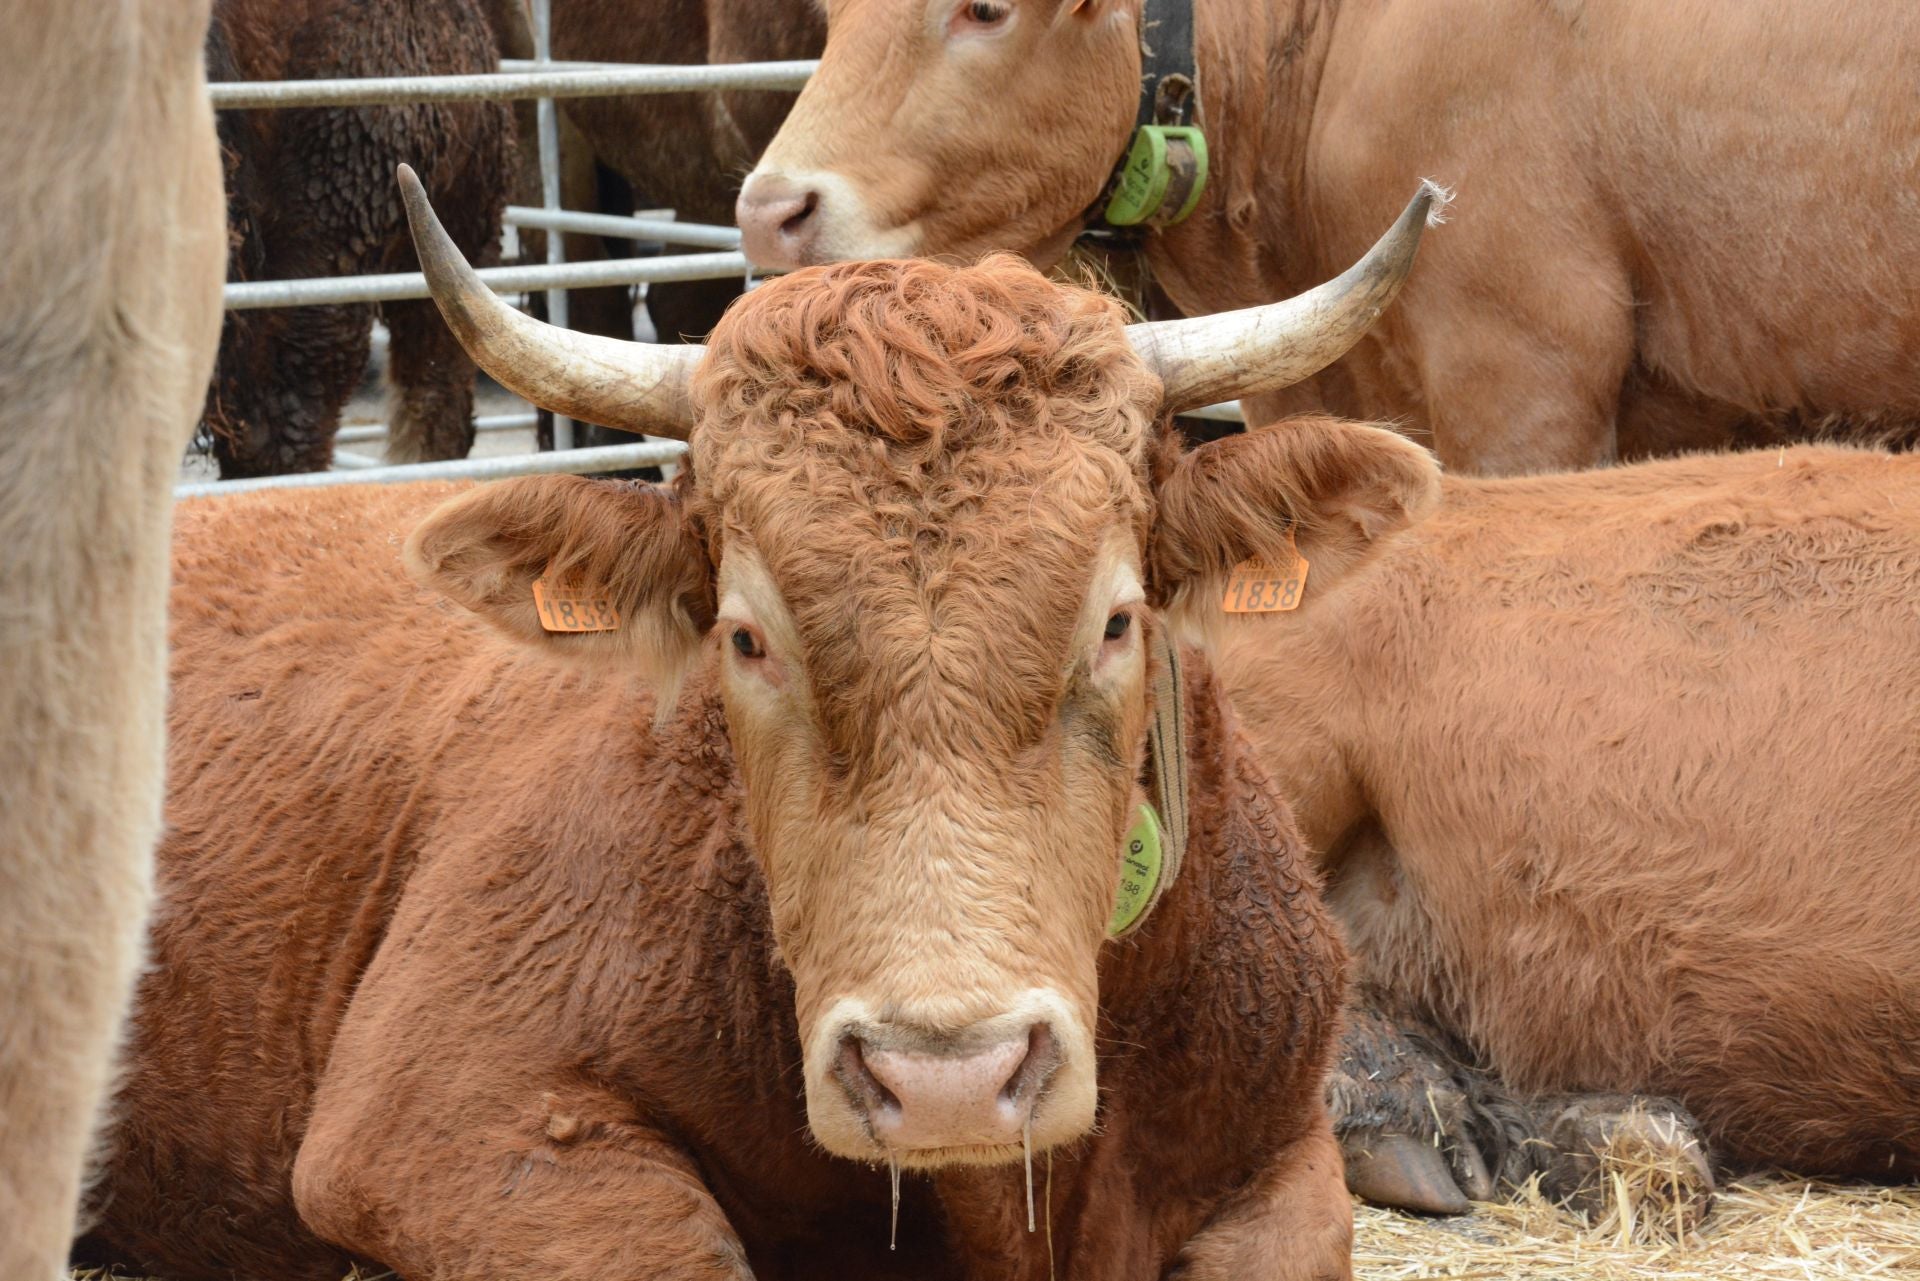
{"points": [[1158, 180]]}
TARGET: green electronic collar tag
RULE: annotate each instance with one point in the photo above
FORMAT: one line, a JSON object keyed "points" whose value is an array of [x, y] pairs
{"points": [[1162, 177], [1140, 867]]}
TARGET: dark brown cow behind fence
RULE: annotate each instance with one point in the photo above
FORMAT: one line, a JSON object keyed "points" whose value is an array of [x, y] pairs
{"points": [[1678, 224], [1618, 779], [479, 961], [310, 193]]}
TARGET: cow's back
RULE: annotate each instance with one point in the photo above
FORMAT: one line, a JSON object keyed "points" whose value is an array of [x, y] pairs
{"points": [[321, 728], [1644, 746]]}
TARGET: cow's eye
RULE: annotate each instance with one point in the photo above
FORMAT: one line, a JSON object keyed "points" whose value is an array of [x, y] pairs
{"points": [[986, 13], [1117, 625], [746, 644]]}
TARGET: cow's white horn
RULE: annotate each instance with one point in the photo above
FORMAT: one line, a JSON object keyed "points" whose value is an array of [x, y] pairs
{"points": [[1206, 359], [632, 386]]}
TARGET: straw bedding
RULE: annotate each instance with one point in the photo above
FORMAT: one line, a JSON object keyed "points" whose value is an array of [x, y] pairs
{"points": [[1761, 1229]]}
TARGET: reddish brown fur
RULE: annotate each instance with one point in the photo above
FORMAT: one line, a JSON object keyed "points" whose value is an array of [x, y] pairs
{"points": [[1643, 748], [468, 971]]}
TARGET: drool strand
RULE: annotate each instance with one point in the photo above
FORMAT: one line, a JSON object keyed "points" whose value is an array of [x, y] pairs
{"points": [[893, 1177], [1026, 1150], [1050, 1272]]}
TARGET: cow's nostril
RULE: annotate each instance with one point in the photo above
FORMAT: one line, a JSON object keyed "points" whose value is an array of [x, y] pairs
{"points": [[858, 1079], [779, 219], [1030, 1077], [809, 202]]}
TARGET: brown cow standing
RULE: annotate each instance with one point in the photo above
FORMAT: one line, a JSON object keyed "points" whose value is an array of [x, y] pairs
{"points": [[1679, 222], [110, 251], [479, 962], [1618, 775], [684, 151], [309, 193]]}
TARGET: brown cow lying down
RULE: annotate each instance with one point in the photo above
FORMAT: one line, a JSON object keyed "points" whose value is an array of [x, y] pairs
{"points": [[481, 963], [1618, 775]]}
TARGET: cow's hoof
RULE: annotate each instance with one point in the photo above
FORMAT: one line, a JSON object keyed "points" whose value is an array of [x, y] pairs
{"points": [[1401, 1172], [1628, 1163]]}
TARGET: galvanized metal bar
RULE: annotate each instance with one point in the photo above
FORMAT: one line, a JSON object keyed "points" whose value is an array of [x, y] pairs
{"points": [[236, 95], [358, 432], [558, 64], [247, 295], [665, 230], [547, 120], [646, 453]]}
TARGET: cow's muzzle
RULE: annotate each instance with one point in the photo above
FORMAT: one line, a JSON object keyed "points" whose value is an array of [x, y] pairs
{"points": [[919, 1092]]}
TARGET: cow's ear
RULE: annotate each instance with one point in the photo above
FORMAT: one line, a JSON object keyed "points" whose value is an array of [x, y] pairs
{"points": [[1333, 491], [616, 560]]}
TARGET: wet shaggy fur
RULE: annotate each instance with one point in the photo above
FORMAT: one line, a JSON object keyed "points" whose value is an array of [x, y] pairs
{"points": [[1617, 776], [110, 219], [310, 193], [468, 968]]}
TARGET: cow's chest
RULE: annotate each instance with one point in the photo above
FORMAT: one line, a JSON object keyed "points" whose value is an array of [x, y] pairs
{"points": [[710, 1052]]}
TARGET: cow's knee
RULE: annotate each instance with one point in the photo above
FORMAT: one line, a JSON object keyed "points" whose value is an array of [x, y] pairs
{"points": [[326, 1193], [1293, 1223]]}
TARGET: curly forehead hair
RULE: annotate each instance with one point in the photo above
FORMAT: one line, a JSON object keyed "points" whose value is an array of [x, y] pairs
{"points": [[920, 359]]}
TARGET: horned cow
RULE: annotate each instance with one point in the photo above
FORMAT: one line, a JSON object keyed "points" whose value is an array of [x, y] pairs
{"points": [[481, 959]]}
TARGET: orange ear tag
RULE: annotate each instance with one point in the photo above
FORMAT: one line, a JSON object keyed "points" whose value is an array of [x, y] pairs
{"points": [[565, 609], [1255, 587]]}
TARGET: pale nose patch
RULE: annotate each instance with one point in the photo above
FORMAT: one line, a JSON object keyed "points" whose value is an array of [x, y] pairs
{"points": [[948, 1101], [779, 220]]}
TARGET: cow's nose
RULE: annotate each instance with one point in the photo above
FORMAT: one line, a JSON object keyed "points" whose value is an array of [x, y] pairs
{"points": [[779, 221], [924, 1098]]}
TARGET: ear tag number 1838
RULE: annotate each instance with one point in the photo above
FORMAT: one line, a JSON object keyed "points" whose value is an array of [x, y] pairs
{"points": [[1140, 864], [1257, 587], [569, 610]]}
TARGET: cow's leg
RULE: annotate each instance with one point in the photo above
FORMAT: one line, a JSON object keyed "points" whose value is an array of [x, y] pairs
{"points": [[573, 1190], [1294, 1223], [275, 400], [1404, 1119], [429, 377], [430, 386], [1592, 1147], [111, 273]]}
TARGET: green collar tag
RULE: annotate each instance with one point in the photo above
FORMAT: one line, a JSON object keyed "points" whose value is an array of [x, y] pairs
{"points": [[1140, 869], [1162, 177]]}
